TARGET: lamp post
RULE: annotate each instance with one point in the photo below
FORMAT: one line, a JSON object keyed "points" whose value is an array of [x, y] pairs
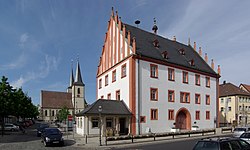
{"points": [[100, 124]]}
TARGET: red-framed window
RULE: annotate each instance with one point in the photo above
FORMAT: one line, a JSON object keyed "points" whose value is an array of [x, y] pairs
{"points": [[197, 115], [171, 95], [171, 74], [197, 79], [207, 81], [100, 83], [123, 71], [153, 71], [185, 77], [207, 99], [197, 98], [106, 80], [154, 114], [142, 119], [170, 114], [153, 94], [114, 76], [184, 97], [118, 95], [109, 96], [207, 115]]}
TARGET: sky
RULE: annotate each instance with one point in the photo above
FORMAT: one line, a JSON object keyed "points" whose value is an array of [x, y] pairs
{"points": [[40, 38]]}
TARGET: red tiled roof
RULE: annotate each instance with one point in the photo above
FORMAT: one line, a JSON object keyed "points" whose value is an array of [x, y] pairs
{"points": [[228, 89], [247, 87], [51, 99]]}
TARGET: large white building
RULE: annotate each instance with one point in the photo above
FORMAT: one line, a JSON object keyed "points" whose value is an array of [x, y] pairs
{"points": [[164, 83]]}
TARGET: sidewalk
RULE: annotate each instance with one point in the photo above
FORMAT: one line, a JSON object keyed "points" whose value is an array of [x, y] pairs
{"points": [[94, 142]]}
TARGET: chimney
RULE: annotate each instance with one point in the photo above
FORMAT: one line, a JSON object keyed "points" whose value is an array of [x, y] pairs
{"points": [[206, 58], [195, 46], [212, 64], [218, 70], [156, 43], [174, 39], [134, 45], [155, 28], [224, 82], [200, 51]]}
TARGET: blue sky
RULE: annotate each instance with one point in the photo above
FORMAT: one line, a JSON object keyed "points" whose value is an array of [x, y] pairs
{"points": [[39, 38]]}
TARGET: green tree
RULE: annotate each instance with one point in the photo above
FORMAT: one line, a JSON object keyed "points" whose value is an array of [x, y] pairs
{"points": [[63, 114]]}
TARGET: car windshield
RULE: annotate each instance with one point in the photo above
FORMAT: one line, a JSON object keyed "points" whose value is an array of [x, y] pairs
{"points": [[52, 131], [240, 129], [245, 135], [206, 145]]}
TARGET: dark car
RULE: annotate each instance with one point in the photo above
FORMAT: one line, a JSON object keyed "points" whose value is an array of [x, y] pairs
{"points": [[221, 143], [52, 136], [40, 129]]}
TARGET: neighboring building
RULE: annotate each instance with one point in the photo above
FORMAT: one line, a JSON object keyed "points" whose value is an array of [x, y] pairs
{"points": [[234, 105], [245, 87], [73, 99], [164, 83]]}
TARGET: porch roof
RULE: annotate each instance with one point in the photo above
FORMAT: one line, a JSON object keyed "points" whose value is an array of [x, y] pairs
{"points": [[109, 107]]}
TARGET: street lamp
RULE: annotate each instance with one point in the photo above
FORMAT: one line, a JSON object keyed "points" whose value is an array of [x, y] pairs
{"points": [[100, 125]]}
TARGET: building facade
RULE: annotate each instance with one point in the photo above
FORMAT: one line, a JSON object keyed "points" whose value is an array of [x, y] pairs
{"points": [[234, 104], [164, 83], [73, 99]]}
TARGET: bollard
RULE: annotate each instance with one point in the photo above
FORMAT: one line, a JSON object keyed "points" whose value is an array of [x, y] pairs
{"points": [[154, 136], [132, 139], [173, 136], [86, 139], [106, 140]]}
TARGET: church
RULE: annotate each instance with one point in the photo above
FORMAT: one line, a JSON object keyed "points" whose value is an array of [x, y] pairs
{"points": [[73, 99]]}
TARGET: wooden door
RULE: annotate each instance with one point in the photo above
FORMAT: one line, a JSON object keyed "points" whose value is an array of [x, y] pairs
{"points": [[181, 120]]}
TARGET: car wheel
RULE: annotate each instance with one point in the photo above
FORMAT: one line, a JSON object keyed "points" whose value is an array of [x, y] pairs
{"points": [[12, 130], [62, 143]]}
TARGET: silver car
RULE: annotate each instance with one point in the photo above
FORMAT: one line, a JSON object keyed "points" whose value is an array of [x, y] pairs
{"points": [[246, 137], [240, 130], [10, 127]]}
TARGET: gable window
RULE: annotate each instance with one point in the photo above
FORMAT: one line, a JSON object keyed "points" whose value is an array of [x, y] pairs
{"points": [[197, 115], [170, 95], [117, 95], [109, 96], [106, 80], [153, 94], [207, 99], [123, 71], [197, 98], [153, 71], [142, 119], [185, 77], [207, 81], [197, 79], [100, 83], [95, 122], [154, 114], [170, 114], [171, 74], [184, 97], [207, 115], [114, 76]]}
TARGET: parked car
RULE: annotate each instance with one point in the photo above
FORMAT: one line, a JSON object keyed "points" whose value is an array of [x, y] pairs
{"points": [[52, 136], [40, 129], [222, 143], [246, 136], [10, 127], [240, 130]]}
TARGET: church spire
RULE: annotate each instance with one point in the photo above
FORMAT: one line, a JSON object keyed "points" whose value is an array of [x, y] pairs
{"points": [[78, 78], [71, 80]]}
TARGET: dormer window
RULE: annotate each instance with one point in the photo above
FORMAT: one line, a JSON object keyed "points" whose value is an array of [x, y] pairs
{"points": [[156, 43], [191, 62], [182, 51], [165, 54]]}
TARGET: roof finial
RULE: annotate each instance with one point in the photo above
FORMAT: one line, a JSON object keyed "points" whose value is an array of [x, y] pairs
{"points": [[155, 28], [71, 80], [188, 41]]}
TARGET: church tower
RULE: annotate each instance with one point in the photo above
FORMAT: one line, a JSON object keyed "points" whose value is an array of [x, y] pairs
{"points": [[78, 91], [71, 80]]}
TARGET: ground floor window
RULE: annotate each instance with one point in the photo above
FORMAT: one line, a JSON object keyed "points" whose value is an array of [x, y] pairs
{"points": [[109, 122], [95, 122]]}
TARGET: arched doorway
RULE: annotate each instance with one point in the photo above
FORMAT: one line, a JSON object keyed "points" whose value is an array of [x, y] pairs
{"points": [[183, 119]]}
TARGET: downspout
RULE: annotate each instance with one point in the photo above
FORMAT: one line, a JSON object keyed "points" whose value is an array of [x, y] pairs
{"points": [[139, 98]]}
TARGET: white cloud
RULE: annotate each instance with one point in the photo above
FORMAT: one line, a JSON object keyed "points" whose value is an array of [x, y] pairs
{"points": [[23, 39], [49, 64]]}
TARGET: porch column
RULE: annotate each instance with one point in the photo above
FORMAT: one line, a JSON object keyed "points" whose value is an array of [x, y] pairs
{"points": [[129, 124], [117, 125]]}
